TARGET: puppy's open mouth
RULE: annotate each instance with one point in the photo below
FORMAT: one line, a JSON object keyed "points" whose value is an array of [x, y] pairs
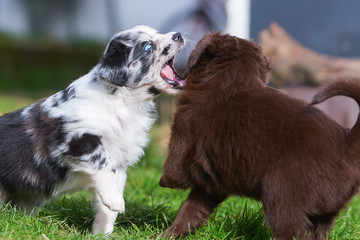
{"points": [[170, 76]]}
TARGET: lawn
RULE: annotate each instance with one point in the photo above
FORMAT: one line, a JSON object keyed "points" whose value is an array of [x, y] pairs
{"points": [[150, 209]]}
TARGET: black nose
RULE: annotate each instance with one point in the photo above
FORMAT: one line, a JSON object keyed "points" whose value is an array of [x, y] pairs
{"points": [[178, 37]]}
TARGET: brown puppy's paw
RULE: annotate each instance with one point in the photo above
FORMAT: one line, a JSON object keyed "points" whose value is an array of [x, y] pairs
{"points": [[168, 234], [173, 233]]}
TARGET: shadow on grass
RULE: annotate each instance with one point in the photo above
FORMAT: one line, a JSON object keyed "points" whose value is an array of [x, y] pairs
{"points": [[248, 224], [159, 216], [75, 213], [79, 213]]}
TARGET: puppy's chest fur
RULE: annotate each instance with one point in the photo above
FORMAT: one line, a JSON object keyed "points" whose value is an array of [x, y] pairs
{"points": [[122, 126], [121, 120], [127, 132]]}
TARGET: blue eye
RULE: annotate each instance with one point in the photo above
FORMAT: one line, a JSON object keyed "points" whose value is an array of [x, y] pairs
{"points": [[147, 47]]}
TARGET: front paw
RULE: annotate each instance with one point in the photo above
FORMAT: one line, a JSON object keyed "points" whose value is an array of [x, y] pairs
{"points": [[102, 227], [114, 203], [171, 233]]}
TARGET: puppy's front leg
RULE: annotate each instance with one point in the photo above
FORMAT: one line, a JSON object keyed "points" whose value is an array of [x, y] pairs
{"points": [[109, 185], [89, 155], [108, 195], [194, 212], [105, 218]]}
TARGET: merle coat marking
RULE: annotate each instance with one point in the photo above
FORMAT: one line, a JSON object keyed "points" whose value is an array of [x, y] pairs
{"points": [[234, 135], [87, 135]]}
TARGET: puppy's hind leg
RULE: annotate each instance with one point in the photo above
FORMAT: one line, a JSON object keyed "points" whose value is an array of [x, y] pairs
{"points": [[194, 212], [322, 225], [287, 220]]}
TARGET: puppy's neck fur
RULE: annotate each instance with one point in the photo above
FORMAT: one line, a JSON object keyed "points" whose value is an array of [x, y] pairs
{"points": [[135, 95]]}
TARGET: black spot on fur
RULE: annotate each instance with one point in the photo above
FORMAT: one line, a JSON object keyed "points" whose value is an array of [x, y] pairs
{"points": [[154, 91], [84, 144], [166, 50], [65, 95], [102, 162], [95, 158], [112, 89], [68, 94], [55, 103], [138, 50], [146, 62], [113, 170]]}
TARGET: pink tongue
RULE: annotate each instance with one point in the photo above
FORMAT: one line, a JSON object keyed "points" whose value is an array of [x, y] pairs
{"points": [[167, 72]]}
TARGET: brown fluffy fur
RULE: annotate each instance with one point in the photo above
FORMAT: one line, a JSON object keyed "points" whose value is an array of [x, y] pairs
{"points": [[234, 135]]}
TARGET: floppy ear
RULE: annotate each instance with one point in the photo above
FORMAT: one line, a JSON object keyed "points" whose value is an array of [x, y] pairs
{"points": [[113, 63], [200, 50]]}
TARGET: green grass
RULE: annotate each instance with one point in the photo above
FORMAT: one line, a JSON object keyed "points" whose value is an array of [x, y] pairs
{"points": [[150, 209], [11, 103]]}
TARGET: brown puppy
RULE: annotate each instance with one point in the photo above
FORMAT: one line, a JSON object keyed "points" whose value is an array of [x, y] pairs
{"points": [[234, 135]]}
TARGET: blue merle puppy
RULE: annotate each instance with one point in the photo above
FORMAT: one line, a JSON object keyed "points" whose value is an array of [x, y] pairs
{"points": [[86, 136]]}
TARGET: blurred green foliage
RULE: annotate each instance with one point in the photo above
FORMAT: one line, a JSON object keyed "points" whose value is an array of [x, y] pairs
{"points": [[38, 66]]}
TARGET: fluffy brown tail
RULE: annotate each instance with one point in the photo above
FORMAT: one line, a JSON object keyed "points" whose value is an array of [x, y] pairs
{"points": [[349, 88]]}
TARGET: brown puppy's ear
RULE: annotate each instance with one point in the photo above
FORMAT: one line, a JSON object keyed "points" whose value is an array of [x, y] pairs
{"points": [[200, 50]]}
